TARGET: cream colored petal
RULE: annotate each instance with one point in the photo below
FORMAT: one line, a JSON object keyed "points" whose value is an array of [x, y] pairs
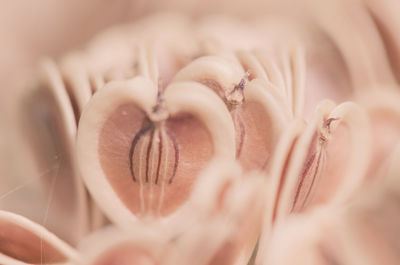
{"points": [[351, 27], [276, 181], [384, 112], [76, 81], [384, 14], [258, 74], [51, 132], [224, 227], [271, 68], [25, 242], [264, 121], [215, 72], [141, 244]]}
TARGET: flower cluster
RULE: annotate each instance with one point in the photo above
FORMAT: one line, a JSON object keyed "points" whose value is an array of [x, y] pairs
{"points": [[213, 142]]}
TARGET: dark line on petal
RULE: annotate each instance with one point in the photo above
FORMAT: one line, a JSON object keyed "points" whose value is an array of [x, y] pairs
{"points": [[148, 155], [313, 179], [159, 157], [302, 177], [133, 146], [242, 134], [176, 149], [282, 179]]}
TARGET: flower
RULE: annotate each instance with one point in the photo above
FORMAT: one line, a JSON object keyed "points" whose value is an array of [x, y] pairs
{"points": [[187, 142]]}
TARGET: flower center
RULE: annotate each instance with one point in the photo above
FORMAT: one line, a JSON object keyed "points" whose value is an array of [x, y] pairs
{"points": [[154, 152]]}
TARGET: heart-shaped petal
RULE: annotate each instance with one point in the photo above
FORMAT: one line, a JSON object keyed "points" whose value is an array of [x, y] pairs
{"points": [[318, 159], [139, 151], [258, 117]]}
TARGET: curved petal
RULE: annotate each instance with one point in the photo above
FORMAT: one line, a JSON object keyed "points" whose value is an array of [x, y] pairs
{"points": [[51, 133], [137, 150], [25, 242]]}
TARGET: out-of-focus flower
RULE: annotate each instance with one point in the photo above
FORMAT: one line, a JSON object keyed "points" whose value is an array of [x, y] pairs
{"points": [[362, 231]]}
